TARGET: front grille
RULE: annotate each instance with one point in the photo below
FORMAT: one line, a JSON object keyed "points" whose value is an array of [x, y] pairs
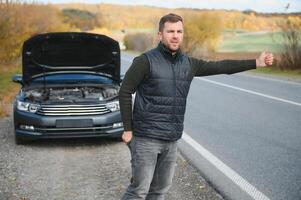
{"points": [[74, 131], [73, 110]]}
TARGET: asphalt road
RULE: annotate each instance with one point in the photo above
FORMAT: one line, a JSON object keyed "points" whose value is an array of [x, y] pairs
{"points": [[244, 134]]}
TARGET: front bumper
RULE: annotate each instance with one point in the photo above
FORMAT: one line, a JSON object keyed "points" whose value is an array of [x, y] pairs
{"points": [[75, 126]]}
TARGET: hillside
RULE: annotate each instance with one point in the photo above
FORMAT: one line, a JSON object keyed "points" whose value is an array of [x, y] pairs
{"points": [[123, 16]]}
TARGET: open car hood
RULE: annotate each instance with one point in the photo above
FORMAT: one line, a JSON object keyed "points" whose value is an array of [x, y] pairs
{"points": [[70, 52]]}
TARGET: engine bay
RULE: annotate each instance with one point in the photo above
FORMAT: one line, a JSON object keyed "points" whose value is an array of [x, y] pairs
{"points": [[71, 94]]}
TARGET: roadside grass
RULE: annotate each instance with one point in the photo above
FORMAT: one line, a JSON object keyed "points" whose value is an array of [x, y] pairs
{"points": [[8, 89], [270, 71]]}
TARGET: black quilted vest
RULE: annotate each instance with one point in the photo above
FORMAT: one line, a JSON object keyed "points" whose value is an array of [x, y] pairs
{"points": [[160, 101]]}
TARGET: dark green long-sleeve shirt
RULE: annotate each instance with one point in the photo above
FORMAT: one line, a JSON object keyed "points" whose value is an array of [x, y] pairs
{"points": [[140, 70]]}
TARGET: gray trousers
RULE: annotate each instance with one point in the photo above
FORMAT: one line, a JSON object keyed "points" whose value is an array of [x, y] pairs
{"points": [[153, 164]]}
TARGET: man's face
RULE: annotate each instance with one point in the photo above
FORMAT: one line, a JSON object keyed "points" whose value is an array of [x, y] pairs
{"points": [[172, 35]]}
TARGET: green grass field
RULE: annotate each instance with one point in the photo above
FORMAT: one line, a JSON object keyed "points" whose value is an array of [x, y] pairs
{"points": [[250, 42]]}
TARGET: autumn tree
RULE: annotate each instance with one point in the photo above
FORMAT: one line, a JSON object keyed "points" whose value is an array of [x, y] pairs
{"points": [[202, 33], [81, 19], [19, 21]]}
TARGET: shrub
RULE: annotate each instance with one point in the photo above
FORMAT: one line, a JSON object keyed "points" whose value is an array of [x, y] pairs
{"points": [[138, 41], [81, 19], [202, 33], [290, 57]]}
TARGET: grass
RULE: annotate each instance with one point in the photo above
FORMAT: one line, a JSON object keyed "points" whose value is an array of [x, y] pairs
{"points": [[287, 74], [251, 42]]}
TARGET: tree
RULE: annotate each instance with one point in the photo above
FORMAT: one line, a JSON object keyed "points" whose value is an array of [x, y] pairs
{"points": [[202, 32], [82, 19], [19, 21]]}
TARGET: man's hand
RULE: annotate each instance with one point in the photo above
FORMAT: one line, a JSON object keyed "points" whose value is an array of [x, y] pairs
{"points": [[265, 59], [127, 136]]}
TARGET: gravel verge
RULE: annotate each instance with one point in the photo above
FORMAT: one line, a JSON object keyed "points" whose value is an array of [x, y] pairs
{"points": [[87, 169]]}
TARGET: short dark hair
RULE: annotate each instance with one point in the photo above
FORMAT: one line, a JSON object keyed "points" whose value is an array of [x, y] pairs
{"points": [[171, 17]]}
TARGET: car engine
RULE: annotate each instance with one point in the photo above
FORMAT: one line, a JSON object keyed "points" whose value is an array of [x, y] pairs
{"points": [[78, 94]]}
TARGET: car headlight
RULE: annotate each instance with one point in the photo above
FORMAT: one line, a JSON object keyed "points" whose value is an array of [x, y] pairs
{"points": [[113, 106], [25, 106]]}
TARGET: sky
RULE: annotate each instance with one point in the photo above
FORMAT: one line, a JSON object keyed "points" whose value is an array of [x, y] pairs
{"points": [[267, 6]]}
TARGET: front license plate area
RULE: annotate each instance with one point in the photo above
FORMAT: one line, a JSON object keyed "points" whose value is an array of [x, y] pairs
{"points": [[74, 123]]}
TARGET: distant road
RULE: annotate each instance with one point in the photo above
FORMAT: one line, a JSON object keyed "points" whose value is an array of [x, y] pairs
{"points": [[244, 134]]}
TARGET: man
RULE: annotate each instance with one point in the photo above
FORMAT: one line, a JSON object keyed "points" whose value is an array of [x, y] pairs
{"points": [[161, 79]]}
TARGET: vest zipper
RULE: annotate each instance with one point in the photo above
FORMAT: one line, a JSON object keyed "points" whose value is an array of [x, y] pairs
{"points": [[174, 95]]}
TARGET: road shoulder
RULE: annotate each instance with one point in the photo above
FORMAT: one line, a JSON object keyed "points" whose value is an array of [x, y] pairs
{"points": [[80, 169]]}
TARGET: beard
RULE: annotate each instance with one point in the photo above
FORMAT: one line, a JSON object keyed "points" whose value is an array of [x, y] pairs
{"points": [[172, 47]]}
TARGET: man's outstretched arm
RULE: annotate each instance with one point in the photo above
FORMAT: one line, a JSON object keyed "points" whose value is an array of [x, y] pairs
{"points": [[206, 68]]}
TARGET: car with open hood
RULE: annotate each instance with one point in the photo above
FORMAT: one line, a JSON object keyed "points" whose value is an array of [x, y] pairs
{"points": [[70, 83]]}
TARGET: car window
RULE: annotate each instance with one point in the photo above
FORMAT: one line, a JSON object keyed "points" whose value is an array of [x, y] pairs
{"points": [[73, 78]]}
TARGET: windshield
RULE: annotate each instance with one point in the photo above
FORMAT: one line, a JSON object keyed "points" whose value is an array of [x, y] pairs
{"points": [[73, 78]]}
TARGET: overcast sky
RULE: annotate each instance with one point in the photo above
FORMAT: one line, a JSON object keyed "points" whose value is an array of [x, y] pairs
{"points": [[257, 5]]}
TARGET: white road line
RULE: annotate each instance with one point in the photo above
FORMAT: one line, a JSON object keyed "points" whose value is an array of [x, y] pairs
{"points": [[270, 79], [230, 173], [252, 92]]}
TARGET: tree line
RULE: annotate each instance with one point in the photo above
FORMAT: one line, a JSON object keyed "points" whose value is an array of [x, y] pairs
{"points": [[19, 21], [203, 28]]}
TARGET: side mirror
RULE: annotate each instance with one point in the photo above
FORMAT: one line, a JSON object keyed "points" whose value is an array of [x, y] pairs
{"points": [[17, 78]]}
